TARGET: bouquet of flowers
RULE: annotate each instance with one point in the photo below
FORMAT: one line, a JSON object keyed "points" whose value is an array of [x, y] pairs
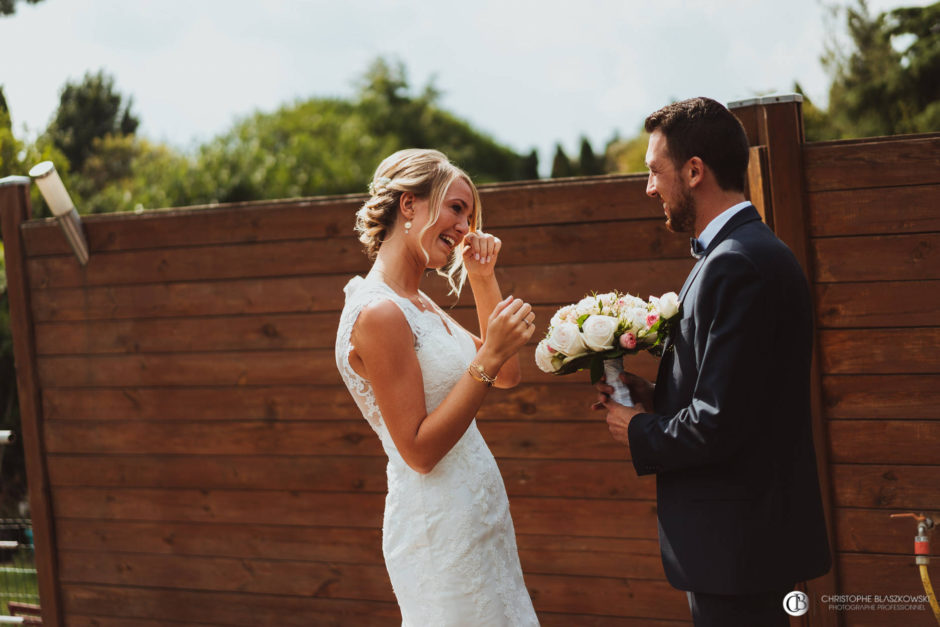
{"points": [[598, 330]]}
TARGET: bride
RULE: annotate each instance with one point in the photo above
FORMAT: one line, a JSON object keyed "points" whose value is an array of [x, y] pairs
{"points": [[419, 378]]}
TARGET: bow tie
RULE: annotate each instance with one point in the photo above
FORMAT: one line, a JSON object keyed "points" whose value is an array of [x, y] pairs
{"points": [[697, 249]]}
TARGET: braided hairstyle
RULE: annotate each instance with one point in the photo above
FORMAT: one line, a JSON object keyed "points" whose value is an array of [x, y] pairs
{"points": [[427, 174]]}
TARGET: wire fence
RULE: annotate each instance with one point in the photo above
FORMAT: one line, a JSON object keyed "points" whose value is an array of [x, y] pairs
{"points": [[17, 566]]}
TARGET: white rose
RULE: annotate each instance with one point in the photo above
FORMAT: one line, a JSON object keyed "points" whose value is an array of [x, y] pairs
{"points": [[668, 305], [561, 315], [545, 360], [567, 339], [586, 306], [635, 319], [599, 332]]}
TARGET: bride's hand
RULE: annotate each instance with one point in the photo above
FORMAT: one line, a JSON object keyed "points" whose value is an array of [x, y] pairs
{"points": [[480, 252], [510, 326]]}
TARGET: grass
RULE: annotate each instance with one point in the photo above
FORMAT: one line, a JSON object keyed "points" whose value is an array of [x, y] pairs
{"points": [[18, 580]]}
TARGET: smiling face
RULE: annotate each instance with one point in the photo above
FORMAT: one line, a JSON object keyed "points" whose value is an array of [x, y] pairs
{"points": [[454, 220], [665, 183]]}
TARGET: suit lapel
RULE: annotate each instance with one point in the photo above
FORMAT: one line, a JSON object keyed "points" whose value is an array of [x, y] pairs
{"points": [[748, 214]]}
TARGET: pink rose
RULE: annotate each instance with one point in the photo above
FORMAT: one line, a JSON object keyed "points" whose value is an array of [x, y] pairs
{"points": [[628, 341], [652, 318]]}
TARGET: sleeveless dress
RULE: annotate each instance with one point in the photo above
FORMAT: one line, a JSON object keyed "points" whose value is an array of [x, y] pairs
{"points": [[447, 536]]}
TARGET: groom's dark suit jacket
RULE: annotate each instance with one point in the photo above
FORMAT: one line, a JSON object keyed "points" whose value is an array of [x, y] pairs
{"points": [[730, 439]]}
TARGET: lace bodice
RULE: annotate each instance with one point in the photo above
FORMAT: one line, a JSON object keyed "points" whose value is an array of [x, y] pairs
{"points": [[444, 349], [447, 535]]}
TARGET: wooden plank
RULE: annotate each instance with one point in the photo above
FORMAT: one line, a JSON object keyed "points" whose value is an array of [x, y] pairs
{"points": [[14, 211], [560, 593], [182, 335], [897, 486], [575, 479], [530, 244], [214, 333], [911, 209], [544, 554], [892, 397], [529, 477], [349, 437], [566, 398], [881, 162], [758, 184], [599, 557], [878, 304], [298, 402], [883, 575], [578, 200], [542, 285], [365, 582], [595, 595], [295, 367], [249, 296], [278, 368], [508, 439], [554, 619], [321, 473], [228, 608], [885, 441], [76, 620], [254, 541], [861, 351], [543, 516], [219, 224], [637, 599], [781, 129], [908, 256]]}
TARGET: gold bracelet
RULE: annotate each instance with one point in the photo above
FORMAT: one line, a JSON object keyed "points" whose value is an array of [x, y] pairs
{"points": [[476, 371]]}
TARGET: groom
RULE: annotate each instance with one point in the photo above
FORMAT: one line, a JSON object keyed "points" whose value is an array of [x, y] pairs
{"points": [[727, 427]]}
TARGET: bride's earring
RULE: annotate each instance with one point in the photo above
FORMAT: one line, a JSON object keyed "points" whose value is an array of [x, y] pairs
{"points": [[407, 227]]}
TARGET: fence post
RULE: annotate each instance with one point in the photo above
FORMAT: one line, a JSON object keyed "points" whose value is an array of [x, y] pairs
{"points": [[776, 123], [14, 210]]}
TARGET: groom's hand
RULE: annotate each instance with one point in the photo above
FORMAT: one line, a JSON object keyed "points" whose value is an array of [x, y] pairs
{"points": [[640, 389], [618, 416]]}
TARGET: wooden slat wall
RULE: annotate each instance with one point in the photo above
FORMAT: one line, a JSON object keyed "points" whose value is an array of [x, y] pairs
{"points": [[874, 215], [207, 466]]}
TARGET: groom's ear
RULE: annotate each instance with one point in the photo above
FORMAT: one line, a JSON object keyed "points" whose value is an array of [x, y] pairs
{"points": [[694, 171]]}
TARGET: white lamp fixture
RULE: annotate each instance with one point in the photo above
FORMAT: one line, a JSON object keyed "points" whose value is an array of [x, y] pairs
{"points": [[60, 203]]}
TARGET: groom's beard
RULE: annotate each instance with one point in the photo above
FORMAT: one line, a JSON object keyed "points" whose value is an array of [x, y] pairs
{"points": [[682, 213]]}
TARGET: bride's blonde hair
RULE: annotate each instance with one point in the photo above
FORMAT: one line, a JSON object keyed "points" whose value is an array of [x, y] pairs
{"points": [[426, 174]]}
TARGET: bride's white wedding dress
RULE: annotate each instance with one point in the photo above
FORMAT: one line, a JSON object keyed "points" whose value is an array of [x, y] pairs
{"points": [[447, 535]]}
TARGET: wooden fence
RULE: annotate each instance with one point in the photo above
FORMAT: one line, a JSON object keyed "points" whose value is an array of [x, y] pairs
{"points": [[194, 458]]}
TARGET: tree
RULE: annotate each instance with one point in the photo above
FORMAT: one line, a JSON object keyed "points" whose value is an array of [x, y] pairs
{"points": [[8, 7], [627, 155], [10, 147], [530, 168], [877, 89], [561, 164], [589, 164], [332, 146], [817, 125], [88, 111]]}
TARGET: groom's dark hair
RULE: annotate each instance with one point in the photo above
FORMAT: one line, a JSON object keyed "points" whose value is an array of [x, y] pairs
{"points": [[704, 128]]}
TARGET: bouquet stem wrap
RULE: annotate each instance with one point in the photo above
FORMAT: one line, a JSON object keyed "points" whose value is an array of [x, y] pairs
{"points": [[612, 370]]}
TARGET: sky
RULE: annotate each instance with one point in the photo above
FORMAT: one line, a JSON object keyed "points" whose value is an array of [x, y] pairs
{"points": [[528, 73]]}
